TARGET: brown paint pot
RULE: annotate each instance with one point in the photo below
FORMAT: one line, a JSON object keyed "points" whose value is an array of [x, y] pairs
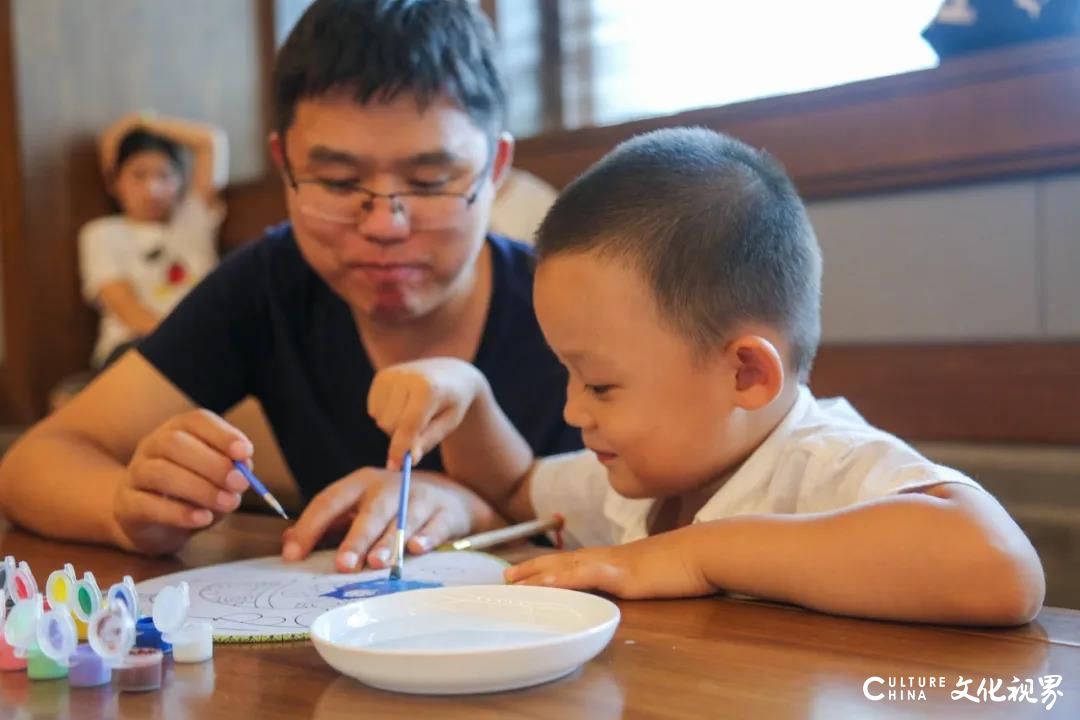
{"points": [[140, 671]]}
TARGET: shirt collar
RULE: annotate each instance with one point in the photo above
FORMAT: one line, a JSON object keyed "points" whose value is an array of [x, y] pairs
{"points": [[629, 516]]}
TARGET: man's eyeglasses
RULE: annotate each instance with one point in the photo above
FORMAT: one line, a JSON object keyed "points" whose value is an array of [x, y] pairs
{"points": [[346, 202]]}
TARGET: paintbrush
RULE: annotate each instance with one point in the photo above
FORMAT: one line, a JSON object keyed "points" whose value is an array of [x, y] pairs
{"points": [[403, 509]]}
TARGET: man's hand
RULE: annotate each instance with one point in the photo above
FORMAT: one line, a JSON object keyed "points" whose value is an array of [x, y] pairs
{"points": [[179, 480], [364, 504]]}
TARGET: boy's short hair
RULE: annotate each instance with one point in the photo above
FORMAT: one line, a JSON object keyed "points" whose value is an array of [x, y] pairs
{"points": [[378, 49], [140, 140], [716, 228]]}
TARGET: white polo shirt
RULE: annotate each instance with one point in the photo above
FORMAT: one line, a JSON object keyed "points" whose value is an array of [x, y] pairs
{"points": [[823, 456]]}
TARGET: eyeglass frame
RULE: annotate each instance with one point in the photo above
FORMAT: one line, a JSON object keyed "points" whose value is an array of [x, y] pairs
{"points": [[396, 206]]}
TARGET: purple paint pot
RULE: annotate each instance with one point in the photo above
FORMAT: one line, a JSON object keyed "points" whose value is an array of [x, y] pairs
{"points": [[88, 669]]}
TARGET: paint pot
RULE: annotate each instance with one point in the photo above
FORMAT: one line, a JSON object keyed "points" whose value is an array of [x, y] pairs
{"points": [[57, 637], [60, 592], [111, 631], [124, 592], [192, 642], [7, 569], [147, 635], [40, 666], [9, 662], [140, 671], [87, 669], [19, 581], [55, 642], [86, 598], [112, 636], [60, 587], [20, 626]]}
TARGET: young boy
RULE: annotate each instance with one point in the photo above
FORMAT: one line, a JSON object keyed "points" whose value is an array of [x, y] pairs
{"points": [[679, 282]]}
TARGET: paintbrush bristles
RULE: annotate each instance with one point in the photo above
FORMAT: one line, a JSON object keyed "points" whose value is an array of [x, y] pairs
{"points": [[399, 555]]}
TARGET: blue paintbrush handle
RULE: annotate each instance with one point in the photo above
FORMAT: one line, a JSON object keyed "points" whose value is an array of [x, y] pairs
{"points": [[403, 500]]}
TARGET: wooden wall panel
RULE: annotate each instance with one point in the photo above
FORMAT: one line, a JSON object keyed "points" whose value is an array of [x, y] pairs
{"points": [[253, 206], [15, 396], [1002, 392]]}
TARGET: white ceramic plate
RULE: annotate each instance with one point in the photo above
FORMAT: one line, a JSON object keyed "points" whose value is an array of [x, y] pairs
{"points": [[471, 639]]}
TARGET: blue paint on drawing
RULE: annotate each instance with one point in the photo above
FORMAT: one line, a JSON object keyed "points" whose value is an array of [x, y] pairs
{"points": [[372, 588]]}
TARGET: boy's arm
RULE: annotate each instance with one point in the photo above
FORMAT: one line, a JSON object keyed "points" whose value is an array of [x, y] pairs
{"points": [[489, 455], [947, 554]]}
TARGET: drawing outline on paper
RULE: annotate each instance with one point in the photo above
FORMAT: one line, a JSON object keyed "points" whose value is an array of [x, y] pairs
{"points": [[266, 597]]}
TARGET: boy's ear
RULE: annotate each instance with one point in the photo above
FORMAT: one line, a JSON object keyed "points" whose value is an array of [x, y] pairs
{"points": [[759, 371]]}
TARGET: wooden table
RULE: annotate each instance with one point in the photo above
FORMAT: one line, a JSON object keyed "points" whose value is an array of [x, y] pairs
{"points": [[711, 657]]}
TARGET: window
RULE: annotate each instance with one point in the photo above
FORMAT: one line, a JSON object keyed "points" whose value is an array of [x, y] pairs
{"points": [[572, 63]]}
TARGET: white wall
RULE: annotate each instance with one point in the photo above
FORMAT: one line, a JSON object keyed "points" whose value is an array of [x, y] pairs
{"points": [[985, 262]]}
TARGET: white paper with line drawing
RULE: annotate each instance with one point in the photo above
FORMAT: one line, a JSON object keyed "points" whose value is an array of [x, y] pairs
{"points": [[267, 597]]}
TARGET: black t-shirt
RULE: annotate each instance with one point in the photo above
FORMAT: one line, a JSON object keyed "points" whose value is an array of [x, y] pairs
{"points": [[264, 324]]}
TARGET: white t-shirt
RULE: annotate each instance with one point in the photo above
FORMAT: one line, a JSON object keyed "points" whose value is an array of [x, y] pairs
{"points": [[823, 456], [162, 261]]}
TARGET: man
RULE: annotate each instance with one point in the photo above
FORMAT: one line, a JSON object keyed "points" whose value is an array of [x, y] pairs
{"points": [[390, 142]]}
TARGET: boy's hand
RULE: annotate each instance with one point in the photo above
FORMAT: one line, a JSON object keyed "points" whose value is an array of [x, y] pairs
{"points": [[179, 480], [656, 567], [364, 504], [421, 402]]}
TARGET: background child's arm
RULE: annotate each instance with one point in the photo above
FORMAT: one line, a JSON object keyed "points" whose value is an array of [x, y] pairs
{"points": [[208, 145], [950, 554], [118, 297]]}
